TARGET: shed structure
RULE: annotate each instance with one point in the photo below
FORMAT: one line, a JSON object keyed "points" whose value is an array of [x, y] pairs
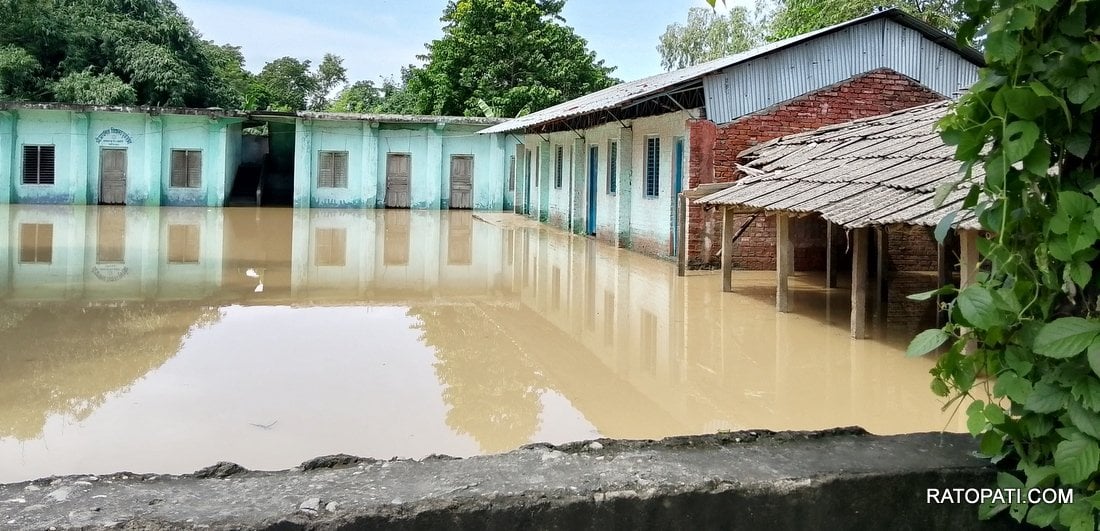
{"points": [[858, 176], [613, 164]]}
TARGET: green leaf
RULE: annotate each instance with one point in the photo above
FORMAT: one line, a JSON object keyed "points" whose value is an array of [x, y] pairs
{"points": [[1079, 145], [975, 303], [992, 444], [975, 418], [995, 415], [1085, 420], [1066, 337], [1081, 273], [1077, 515], [944, 226], [1038, 161], [1087, 391], [1045, 398], [1002, 47], [1023, 102], [926, 342], [1094, 356], [1075, 204], [1011, 385], [942, 191], [929, 295], [1019, 140], [1076, 459], [1080, 91], [1042, 515], [1091, 52]]}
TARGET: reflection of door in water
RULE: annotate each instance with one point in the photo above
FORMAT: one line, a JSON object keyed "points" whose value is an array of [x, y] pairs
{"points": [[462, 169], [460, 235], [593, 173], [112, 176], [111, 236], [395, 241], [397, 180]]}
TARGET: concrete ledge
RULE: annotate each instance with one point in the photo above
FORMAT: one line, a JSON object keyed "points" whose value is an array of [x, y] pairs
{"points": [[839, 479]]}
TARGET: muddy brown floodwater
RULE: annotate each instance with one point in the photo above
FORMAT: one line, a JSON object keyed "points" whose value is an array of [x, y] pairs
{"points": [[164, 340]]}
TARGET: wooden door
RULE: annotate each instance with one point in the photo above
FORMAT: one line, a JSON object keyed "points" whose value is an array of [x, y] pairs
{"points": [[462, 170], [397, 180], [112, 176]]}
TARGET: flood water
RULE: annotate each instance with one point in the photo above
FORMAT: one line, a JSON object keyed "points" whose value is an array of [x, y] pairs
{"points": [[165, 340]]}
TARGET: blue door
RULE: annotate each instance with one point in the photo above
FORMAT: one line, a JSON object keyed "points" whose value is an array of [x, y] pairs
{"points": [[593, 172], [677, 187]]}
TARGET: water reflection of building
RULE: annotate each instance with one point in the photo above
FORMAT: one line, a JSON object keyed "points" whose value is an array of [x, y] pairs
{"points": [[511, 314]]}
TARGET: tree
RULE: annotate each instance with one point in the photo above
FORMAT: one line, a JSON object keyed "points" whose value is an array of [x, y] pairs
{"points": [[330, 73], [287, 84], [147, 44], [18, 69], [1031, 321], [360, 97], [512, 55], [94, 89], [708, 35], [795, 17]]}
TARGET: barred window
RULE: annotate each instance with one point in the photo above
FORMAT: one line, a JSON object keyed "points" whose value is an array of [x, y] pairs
{"points": [[653, 167], [559, 162], [334, 170], [612, 167], [186, 168], [38, 164]]}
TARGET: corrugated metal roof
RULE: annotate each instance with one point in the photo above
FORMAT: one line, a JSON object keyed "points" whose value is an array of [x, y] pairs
{"points": [[626, 94], [875, 171]]}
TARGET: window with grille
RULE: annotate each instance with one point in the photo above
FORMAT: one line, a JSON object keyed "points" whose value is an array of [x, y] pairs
{"points": [[183, 244], [652, 167], [332, 247], [612, 167], [334, 170], [38, 164], [186, 168], [559, 163], [36, 243]]}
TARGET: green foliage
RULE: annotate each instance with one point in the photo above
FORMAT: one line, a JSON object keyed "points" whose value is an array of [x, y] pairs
{"points": [[18, 69], [1030, 323], [795, 17], [708, 35], [511, 55], [361, 97], [94, 89]]}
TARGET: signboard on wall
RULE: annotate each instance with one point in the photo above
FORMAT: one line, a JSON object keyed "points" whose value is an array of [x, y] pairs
{"points": [[114, 137]]}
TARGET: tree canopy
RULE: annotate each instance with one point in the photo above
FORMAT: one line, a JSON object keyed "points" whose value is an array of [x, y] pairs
{"points": [[708, 34], [515, 56]]}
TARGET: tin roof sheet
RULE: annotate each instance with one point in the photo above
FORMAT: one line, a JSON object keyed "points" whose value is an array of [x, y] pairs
{"points": [[626, 94]]}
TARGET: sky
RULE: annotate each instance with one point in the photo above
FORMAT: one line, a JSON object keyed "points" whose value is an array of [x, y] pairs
{"points": [[377, 37]]}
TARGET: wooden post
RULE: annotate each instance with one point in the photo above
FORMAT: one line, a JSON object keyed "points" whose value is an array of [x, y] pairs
{"points": [[830, 256], [681, 229], [727, 249], [882, 241], [968, 257], [859, 283], [783, 262]]}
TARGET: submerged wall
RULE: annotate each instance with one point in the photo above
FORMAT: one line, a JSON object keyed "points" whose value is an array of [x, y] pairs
{"points": [[430, 148], [79, 138], [625, 213]]}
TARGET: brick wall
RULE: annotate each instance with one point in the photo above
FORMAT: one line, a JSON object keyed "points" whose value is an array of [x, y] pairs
{"points": [[911, 248], [870, 94]]}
